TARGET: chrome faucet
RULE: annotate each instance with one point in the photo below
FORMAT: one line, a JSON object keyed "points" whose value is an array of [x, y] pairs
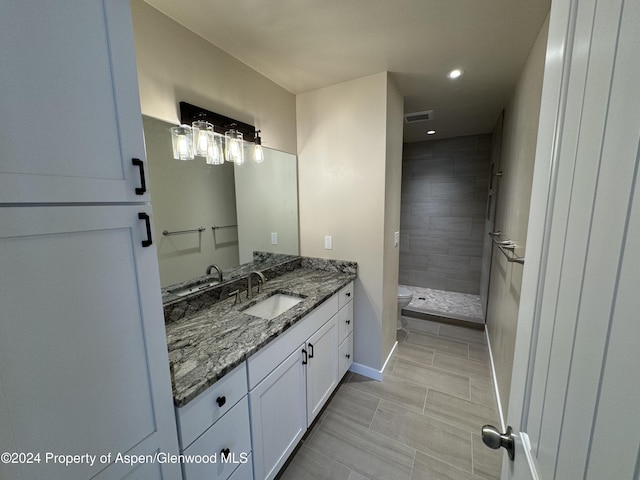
{"points": [[261, 281], [217, 269]]}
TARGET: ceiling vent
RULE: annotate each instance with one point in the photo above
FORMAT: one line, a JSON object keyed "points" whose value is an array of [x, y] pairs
{"points": [[418, 116]]}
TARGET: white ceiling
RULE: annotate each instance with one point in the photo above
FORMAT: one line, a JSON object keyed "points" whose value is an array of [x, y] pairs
{"points": [[303, 45]]}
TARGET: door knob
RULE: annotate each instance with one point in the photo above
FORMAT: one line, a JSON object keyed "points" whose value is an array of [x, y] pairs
{"points": [[492, 438]]}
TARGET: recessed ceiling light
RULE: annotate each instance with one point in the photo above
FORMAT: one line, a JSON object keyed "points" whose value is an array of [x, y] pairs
{"points": [[456, 73], [431, 132]]}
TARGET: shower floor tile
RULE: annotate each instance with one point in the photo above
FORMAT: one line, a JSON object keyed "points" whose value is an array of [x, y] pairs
{"points": [[459, 306]]}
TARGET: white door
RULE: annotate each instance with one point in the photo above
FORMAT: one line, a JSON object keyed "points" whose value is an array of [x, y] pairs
{"points": [[83, 362], [70, 123], [575, 394]]}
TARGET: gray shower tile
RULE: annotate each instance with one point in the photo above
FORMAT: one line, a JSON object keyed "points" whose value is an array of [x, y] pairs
{"points": [[439, 226], [469, 284], [426, 244], [448, 263], [435, 166], [419, 210], [427, 279], [365, 451], [426, 434], [467, 208], [470, 165], [475, 263], [452, 188], [471, 247]]}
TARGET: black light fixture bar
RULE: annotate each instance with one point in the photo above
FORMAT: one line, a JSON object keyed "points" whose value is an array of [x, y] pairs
{"points": [[190, 113]]}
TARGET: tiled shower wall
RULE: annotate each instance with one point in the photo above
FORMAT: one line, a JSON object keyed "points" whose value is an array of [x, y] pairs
{"points": [[444, 198]]}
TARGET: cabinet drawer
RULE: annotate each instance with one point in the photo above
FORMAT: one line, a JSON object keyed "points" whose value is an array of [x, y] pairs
{"points": [[265, 360], [230, 432], [202, 412], [345, 356], [345, 295], [345, 322]]}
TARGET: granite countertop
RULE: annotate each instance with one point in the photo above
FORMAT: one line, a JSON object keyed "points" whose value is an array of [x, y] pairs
{"points": [[207, 345]]}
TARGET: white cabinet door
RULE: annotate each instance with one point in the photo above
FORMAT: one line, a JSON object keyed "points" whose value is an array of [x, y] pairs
{"points": [[70, 122], [322, 367], [278, 415], [83, 356]]}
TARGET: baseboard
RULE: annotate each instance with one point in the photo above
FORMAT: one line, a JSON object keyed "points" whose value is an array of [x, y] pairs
{"points": [[369, 372], [495, 381]]}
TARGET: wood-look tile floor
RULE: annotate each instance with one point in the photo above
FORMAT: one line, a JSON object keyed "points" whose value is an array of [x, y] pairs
{"points": [[421, 422]]}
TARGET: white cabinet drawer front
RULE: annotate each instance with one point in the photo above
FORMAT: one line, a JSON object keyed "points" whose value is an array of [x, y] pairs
{"points": [[345, 321], [345, 356], [322, 368], [202, 412], [345, 295], [264, 361], [230, 432]]}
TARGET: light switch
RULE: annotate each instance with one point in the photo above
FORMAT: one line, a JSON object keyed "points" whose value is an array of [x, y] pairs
{"points": [[274, 238], [396, 239], [328, 242]]}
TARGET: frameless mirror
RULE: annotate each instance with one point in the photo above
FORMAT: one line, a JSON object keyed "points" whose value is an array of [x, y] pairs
{"points": [[218, 214]]}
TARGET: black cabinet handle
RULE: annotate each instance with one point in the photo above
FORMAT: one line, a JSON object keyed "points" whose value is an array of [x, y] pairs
{"points": [[147, 221], [221, 400], [143, 184], [225, 452], [310, 350], [348, 294], [348, 355], [305, 360], [348, 321]]}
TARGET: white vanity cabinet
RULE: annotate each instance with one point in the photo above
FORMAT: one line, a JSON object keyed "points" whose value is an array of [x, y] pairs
{"points": [[215, 425], [290, 381], [71, 122]]}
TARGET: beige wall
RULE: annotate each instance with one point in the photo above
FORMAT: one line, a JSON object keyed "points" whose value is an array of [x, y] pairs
{"points": [[512, 211], [176, 65], [342, 168]]}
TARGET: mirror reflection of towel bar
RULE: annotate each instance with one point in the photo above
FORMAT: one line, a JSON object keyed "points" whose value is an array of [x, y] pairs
{"points": [[166, 233], [507, 248], [216, 227]]}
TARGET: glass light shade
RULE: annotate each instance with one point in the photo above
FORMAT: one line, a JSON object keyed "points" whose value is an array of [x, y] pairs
{"points": [[182, 142], [258, 154], [215, 155], [234, 151], [202, 136]]}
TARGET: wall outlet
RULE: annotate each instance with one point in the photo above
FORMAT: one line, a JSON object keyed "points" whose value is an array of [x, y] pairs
{"points": [[396, 239], [274, 238], [328, 242]]}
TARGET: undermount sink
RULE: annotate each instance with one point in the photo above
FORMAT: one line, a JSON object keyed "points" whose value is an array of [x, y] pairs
{"points": [[273, 306]]}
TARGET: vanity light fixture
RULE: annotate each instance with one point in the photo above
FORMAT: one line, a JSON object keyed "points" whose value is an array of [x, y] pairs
{"points": [[202, 137], [258, 154], [455, 73], [234, 151], [182, 142], [215, 152]]}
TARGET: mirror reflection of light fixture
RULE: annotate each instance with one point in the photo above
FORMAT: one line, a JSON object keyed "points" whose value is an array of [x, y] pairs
{"points": [[200, 134], [215, 152], [182, 142], [202, 137], [234, 151], [258, 154]]}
